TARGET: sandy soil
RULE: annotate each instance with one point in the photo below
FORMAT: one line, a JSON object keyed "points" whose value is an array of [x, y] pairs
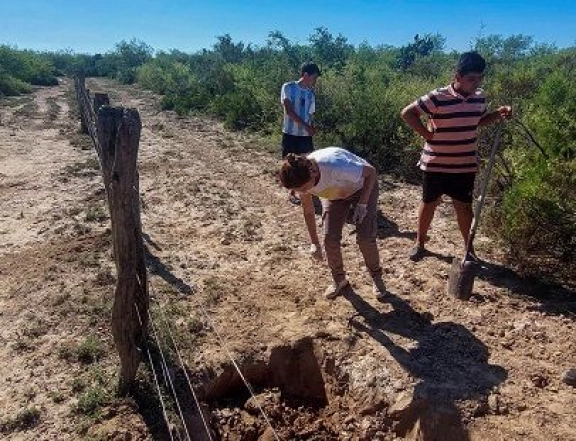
{"points": [[228, 269]]}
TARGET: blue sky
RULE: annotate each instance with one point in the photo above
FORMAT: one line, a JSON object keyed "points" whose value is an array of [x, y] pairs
{"points": [[95, 27]]}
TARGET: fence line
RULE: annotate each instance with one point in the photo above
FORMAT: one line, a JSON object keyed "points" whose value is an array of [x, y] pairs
{"points": [[172, 339], [156, 382], [115, 132], [168, 378]]}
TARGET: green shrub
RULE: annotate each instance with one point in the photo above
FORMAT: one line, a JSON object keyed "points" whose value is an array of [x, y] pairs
{"points": [[90, 350], [11, 86], [240, 110], [539, 220], [92, 400], [24, 420]]}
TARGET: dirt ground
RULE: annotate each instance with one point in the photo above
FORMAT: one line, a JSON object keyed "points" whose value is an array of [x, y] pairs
{"points": [[230, 278]]}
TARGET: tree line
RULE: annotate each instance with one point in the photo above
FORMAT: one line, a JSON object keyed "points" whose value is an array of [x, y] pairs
{"points": [[362, 89]]}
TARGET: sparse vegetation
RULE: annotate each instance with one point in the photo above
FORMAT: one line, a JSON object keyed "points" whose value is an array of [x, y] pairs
{"points": [[91, 401], [96, 214], [90, 350], [25, 419]]}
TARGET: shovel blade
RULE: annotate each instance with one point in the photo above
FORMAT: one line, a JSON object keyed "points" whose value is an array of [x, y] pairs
{"points": [[461, 280]]}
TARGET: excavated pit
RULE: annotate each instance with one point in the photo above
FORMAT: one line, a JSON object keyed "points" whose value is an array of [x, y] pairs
{"points": [[307, 392], [294, 370]]}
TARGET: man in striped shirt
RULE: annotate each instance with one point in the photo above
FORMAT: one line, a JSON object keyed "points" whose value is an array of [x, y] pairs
{"points": [[449, 159]]}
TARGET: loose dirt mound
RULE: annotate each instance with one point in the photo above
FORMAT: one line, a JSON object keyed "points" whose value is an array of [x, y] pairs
{"points": [[228, 267]]}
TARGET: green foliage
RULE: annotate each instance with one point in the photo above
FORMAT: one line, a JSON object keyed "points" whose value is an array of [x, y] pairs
{"points": [[240, 110], [359, 98], [164, 77], [422, 47], [127, 57], [92, 400], [328, 50], [539, 220], [552, 114], [24, 420], [11, 86], [21, 68], [88, 351]]}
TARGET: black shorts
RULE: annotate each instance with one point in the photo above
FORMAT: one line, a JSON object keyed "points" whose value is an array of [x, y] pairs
{"points": [[296, 144], [459, 186]]}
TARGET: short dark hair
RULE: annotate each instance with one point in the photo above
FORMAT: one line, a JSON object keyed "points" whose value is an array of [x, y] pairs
{"points": [[310, 68], [470, 62]]}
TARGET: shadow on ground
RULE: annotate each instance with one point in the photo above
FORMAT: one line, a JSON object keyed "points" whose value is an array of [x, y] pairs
{"points": [[449, 362], [552, 299]]}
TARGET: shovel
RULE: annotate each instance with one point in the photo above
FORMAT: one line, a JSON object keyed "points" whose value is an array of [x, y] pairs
{"points": [[463, 272]]}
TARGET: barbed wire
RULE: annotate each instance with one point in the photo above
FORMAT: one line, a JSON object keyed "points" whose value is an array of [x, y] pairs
{"points": [[195, 397], [246, 383], [165, 414], [167, 376]]}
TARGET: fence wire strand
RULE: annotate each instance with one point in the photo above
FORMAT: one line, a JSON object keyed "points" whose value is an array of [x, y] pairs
{"points": [[156, 382], [167, 376], [167, 325]]}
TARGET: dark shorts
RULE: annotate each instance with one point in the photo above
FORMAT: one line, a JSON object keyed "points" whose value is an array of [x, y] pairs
{"points": [[296, 144], [459, 186]]}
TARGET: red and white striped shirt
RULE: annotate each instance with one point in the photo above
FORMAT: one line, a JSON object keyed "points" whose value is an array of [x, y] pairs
{"points": [[454, 121]]}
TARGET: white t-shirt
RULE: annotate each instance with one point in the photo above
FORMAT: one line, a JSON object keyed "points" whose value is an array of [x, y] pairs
{"points": [[303, 103], [340, 173]]}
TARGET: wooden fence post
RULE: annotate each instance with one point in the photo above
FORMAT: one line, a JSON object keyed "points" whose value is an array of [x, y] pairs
{"points": [[100, 99], [79, 85], [118, 132]]}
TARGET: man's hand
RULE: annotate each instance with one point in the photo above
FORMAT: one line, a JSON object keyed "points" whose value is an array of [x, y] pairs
{"points": [[428, 135], [360, 213], [316, 251], [505, 112], [310, 129]]}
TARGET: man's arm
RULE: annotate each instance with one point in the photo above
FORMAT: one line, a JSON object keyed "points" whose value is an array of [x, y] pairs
{"points": [[411, 116], [503, 112], [309, 217], [369, 175], [293, 115]]}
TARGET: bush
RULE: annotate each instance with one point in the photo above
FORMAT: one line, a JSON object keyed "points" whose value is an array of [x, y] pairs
{"points": [[11, 86], [90, 350], [240, 110], [19, 69], [25, 419], [91, 401], [539, 220]]}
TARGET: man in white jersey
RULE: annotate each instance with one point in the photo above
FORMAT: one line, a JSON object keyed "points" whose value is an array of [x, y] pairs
{"points": [[342, 180], [299, 104]]}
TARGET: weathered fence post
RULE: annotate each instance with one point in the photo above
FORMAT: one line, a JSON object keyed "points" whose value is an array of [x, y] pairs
{"points": [[115, 132], [100, 99], [118, 132], [79, 82]]}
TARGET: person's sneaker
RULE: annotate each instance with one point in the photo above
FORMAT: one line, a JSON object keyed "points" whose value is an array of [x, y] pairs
{"points": [[416, 253], [379, 289], [335, 289]]}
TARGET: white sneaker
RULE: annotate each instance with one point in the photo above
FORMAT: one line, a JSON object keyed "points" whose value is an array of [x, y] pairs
{"points": [[379, 289], [335, 289]]}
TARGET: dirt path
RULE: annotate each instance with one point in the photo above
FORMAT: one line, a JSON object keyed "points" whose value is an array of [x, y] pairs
{"points": [[222, 237]]}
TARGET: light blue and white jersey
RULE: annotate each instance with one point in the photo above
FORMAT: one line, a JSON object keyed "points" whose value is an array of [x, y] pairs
{"points": [[303, 103]]}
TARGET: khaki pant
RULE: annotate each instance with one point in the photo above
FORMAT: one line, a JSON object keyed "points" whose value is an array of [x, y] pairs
{"points": [[334, 216]]}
